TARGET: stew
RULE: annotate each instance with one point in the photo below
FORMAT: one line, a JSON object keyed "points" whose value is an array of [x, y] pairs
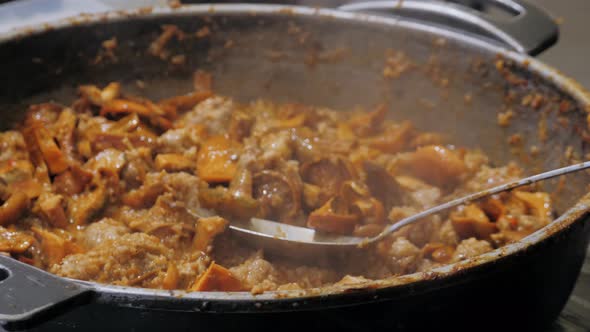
{"points": [[124, 190]]}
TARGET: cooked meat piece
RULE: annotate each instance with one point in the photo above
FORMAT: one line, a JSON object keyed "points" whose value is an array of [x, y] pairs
{"points": [[214, 113], [169, 221], [191, 265], [470, 248], [107, 162], [488, 177], [259, 275], [181, 139], [136, 259], [447, 234], [102, 231], [405, 256], [256, 272], [139, 164]]}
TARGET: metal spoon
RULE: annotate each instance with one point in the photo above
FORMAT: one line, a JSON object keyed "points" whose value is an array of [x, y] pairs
{"points": [[294, 241]]}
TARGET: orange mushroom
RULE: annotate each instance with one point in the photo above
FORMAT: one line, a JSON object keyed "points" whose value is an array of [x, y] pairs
{"points": [[436, 165], [330, 218], [217, 278], [217, 159], [472, 221]]}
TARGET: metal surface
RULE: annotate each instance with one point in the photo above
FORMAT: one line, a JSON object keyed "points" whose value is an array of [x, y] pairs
{"points": [[531, 30], [470, 289], [27, 292], [306, 243]]}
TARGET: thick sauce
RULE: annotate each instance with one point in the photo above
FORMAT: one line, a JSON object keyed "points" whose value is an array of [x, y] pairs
{"points": [[124, 190]]}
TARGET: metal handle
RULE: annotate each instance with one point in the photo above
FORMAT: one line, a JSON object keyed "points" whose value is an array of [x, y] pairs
{"points": [[530, 31], [485, 193], [26, 291]]}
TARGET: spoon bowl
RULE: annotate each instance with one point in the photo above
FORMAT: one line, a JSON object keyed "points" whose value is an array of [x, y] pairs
{"points": [[301, 242]]}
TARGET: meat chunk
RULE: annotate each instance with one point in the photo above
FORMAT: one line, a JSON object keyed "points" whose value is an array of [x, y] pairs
{"points": [[182, 186], [181, 139], [139, 164], [256, 272], [173, 216], [470, 248], [136, 259], [488, 177], [167, 220], [214, 113], [405, 256], [259, 275], [102, 231]]}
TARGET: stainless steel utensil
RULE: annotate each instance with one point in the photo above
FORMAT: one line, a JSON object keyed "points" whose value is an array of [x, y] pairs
{"points": [[294, 241]]}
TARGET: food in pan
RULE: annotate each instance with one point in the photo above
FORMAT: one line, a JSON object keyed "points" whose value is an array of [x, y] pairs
{"points": [[124, 190]]}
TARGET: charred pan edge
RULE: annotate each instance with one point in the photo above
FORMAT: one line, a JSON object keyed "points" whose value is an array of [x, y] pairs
{"points": [[236, 302]]}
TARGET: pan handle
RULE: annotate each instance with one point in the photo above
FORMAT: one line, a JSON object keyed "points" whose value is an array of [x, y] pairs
{"points": [[26, 291], [531, 30]]}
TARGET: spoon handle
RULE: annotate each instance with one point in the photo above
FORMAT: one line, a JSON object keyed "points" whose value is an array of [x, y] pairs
{"points": [[484, 193]]}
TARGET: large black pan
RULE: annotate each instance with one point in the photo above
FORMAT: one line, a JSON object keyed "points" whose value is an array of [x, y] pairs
{"points": [[458, 84]]}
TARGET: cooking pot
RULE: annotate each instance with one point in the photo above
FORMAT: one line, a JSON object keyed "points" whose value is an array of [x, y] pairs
{"points": [[456, 70]]}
